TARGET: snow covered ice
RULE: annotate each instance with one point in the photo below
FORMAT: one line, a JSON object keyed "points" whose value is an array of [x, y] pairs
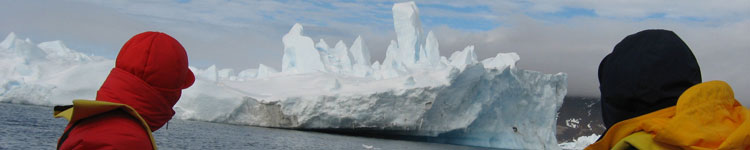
{"points": [[580, 142], [460, 59], [300, 55], [408, 32], [48, 73], [413, 92]]}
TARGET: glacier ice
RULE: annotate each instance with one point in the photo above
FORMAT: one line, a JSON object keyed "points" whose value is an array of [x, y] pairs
{"points": [[265, 71], [226, 74], [477, 106], [8, 41], [501, 60], [56, 50], [247, 74], [300, 55], [360, 53], [340, 61], [209, 73], [413, 92], [361, 58], [392, 66], [432, 52], [323, 49], [460, 59], [48, 73], [23, 49], [375, 65], [408, 32]]}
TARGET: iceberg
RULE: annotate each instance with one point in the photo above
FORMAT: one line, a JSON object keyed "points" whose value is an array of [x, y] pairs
{"points": [[508, 108], [408, 32], [209, 74], [247, 74], [323, 49], [432, 52], [340, 61], [360, 53], [361, 56], [502, 60], [56, 50], [226, 74], [48, 73], [460, 59], [8, 42], [391, 66], [18, 48], [414, 92], [265, 71], [300, 55]]}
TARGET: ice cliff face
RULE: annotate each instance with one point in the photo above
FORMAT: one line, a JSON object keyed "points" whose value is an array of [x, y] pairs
{"points": [[509, 108], [413, 92]]}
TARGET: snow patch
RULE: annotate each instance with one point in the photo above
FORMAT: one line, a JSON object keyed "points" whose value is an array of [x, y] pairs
{"points": [[580, 142], [572, 122]]}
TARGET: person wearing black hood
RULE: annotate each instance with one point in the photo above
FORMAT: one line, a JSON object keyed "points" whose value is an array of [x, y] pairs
{"points": [[652, 98]]}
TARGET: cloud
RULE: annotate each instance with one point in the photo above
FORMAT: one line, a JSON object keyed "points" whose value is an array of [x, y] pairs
{"points": [[689, 8], [83, 26]]}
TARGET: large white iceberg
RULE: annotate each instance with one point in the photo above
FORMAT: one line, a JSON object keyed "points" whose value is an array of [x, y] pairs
{"points": [[48, 73], [415, 92]]}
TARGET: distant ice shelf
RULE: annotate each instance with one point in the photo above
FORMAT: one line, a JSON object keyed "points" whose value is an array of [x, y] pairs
{"points": [[413, 92]]}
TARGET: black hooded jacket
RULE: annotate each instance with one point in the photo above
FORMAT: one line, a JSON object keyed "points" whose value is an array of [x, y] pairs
{"points": [[645, 72]]}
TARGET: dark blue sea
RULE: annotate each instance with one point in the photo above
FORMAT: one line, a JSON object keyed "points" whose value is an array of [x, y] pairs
{"points": [[33, 127]]}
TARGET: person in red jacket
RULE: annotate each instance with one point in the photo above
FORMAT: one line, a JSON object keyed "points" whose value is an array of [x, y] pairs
{"points": [[136, 98]]}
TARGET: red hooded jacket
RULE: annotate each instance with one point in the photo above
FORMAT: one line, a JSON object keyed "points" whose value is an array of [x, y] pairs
{"points": [[150, 72]]}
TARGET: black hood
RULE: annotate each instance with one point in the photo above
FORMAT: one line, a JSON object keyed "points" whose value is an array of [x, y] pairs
{"points": [[646, 71]]}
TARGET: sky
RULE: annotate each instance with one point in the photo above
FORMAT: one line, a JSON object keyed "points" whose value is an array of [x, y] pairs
{"points": [[549, 35]]}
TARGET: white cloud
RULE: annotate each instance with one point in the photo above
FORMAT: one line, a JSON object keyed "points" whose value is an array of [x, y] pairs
{"points": [[78, 24], [688, 8]]}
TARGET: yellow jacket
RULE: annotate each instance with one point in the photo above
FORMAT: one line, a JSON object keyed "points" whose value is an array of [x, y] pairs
{"points": [[707, 116]]}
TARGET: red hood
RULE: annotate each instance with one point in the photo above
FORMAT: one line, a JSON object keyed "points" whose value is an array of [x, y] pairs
{"points": [[150, 72]]}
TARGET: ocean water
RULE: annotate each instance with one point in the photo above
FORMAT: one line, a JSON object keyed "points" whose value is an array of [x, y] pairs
{"points": [[33, 127]]}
